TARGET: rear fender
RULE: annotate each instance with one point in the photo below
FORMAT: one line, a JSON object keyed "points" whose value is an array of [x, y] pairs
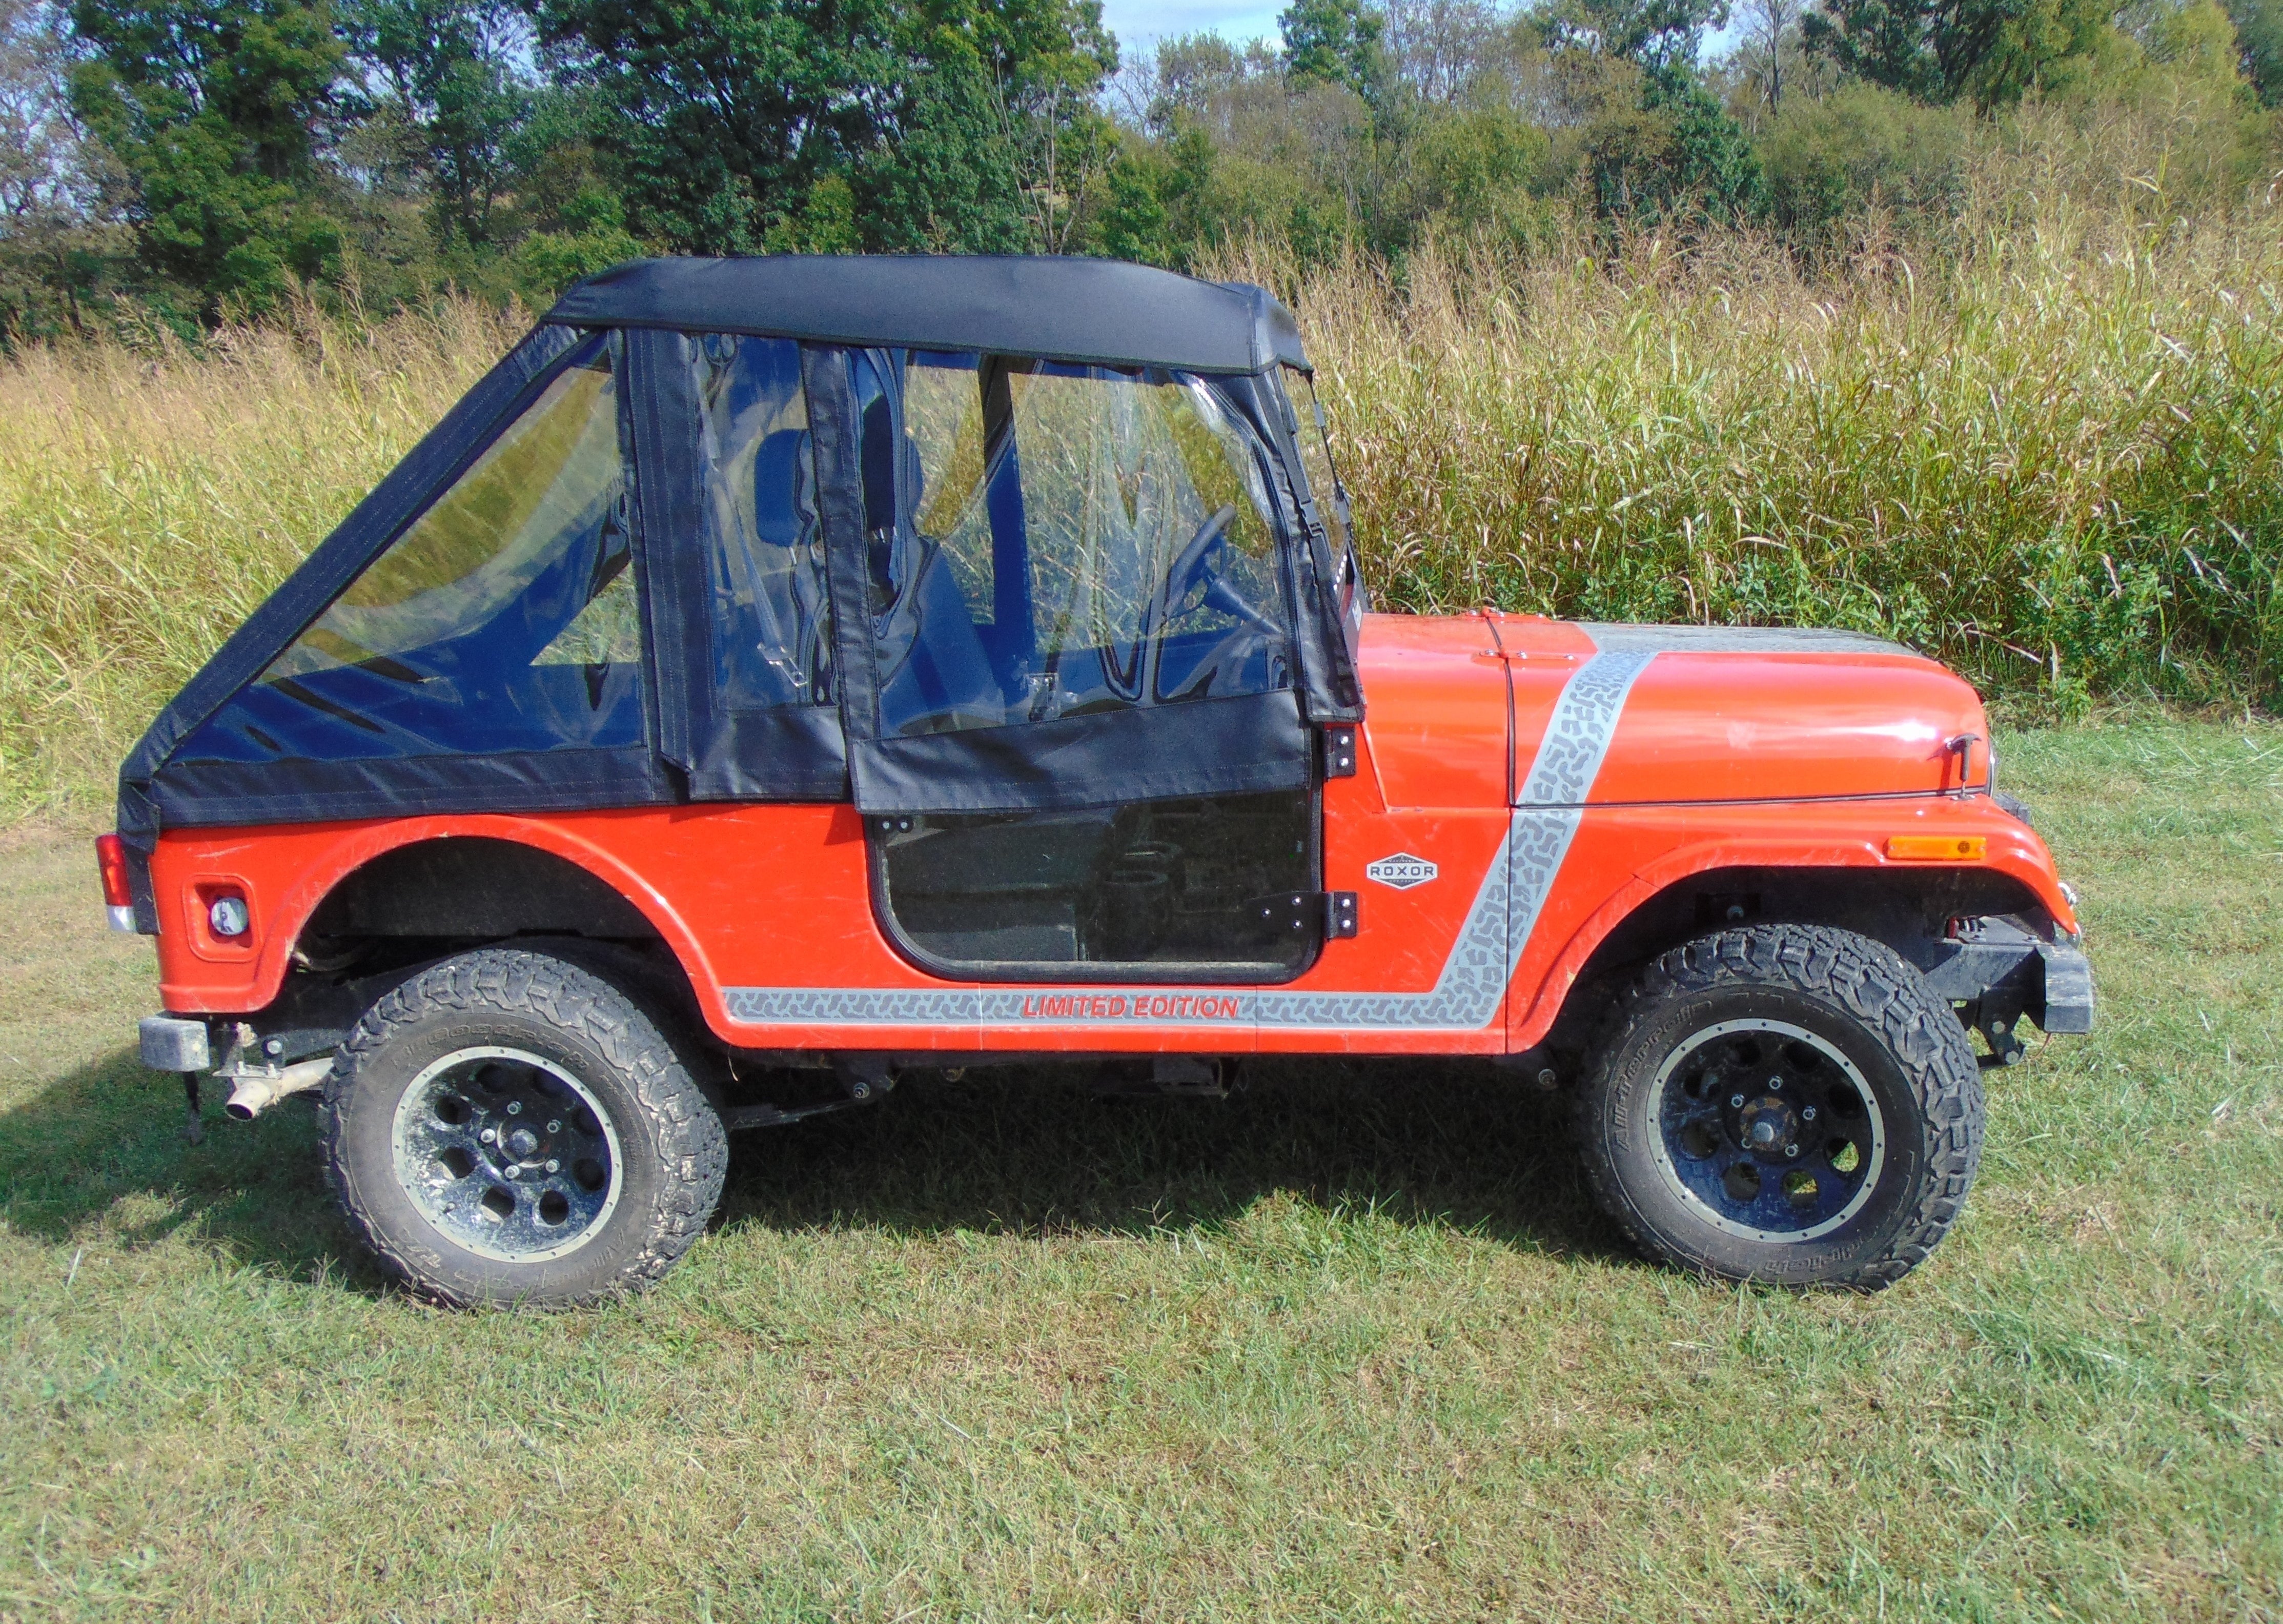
{"points": [[288, 871]]}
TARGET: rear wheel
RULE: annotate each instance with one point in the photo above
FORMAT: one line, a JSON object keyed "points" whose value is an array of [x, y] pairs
{"points": [[1787, 1104], [507, 1128]]}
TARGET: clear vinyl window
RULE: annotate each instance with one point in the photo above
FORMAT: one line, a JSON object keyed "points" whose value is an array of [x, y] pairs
{"points": [[503, 618], [1051, 541], [771, 617]]}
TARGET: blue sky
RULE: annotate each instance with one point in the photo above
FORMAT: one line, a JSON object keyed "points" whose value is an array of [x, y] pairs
{"points": [[1137, 23]]}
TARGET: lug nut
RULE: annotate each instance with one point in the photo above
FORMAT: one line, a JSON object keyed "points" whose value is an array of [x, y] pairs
{"points": [[486, 1136], [553, 1166], [514, 1107], [1735, 1102], [555, 1128], [1807, 1114], [1775, 1085], [1791, 1150]]}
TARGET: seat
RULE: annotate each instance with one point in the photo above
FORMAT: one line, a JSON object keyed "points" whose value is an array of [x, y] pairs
{"points": [[781, 650], [938, 678]]}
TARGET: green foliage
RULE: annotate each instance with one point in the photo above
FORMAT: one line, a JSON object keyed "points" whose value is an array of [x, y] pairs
{"points": [[1333, 42], [1993, 52], [2259, 41], [1656, 33], [1149, 203], [723, 117], [213, 108], [1657, 149], [447, 87], [1886, 42], [1476, 171], [1830, 161]]}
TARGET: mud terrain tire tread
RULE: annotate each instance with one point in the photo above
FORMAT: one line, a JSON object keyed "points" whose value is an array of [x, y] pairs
{"points": [[1869, 982], [676, 1129]]}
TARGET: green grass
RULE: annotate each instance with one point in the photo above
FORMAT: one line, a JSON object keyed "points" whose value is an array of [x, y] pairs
{"points": [[1351, 1345]]}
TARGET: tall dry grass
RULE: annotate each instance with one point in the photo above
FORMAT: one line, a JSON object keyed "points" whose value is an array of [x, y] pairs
{"points": [[151, 497], [2051, 452], [2048, 447]]}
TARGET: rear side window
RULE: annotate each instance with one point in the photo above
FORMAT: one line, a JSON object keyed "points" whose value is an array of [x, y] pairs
{"points": [[503, 618], [771, 619]]}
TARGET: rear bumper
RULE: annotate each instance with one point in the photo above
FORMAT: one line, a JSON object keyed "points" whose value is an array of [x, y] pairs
{"points": [[172, 1044]]}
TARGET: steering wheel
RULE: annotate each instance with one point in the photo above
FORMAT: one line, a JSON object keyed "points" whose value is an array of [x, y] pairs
{"points": [[1194, 564]]}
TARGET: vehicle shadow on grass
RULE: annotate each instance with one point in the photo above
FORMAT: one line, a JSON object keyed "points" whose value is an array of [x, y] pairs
{"points": [[1024, 1150], [1011, 1150], [105, 1143]]}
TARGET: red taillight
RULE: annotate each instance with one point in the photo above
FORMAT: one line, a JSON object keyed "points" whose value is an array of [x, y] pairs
{"points": [[111, 859]]}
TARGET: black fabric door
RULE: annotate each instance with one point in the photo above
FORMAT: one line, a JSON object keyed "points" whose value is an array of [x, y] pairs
{"points": [[1067, 661]]}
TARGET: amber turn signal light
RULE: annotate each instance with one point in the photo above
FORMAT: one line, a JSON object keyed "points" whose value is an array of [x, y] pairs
{"points": [[1938, 847]]}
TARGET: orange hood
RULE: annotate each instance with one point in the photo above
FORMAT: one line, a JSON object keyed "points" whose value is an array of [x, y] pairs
{"points": [[1676, 714]]}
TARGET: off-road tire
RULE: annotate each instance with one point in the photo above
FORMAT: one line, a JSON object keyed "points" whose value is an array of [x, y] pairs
{"points": [[1858, 994], [673, 1149]]}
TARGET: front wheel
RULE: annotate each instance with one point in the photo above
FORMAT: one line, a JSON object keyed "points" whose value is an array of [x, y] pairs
{"points": [[506, 1128], [1786, 1104]]}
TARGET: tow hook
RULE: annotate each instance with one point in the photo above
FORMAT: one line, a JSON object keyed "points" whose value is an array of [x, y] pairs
{"points": [[2006, 1045]]}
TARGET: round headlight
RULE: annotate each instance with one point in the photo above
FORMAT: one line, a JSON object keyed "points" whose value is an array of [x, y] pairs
{"points": [[228, 916]]}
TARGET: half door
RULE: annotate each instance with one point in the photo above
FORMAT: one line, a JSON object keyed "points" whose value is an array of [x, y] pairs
{"points": [[1072, 700]]}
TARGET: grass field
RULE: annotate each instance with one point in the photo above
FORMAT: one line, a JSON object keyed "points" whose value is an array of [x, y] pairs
{"points": [[1351, 1345]]}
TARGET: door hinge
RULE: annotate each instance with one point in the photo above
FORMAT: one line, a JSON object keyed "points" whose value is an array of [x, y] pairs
{"points": [[1334, 912], [1339, 753]]}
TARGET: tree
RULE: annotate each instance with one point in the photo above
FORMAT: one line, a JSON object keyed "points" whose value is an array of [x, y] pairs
{"points": [[446, 75], [1655, 34], [738, 123], [1889, 43], [2259, 41], [215, 110], [52, 236], [1771, 36], [1439, 47], [1333, 42], [1995, 51]]}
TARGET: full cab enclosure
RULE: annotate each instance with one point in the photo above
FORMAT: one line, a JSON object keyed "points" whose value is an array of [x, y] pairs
{"points": [[854, 663], [986, 545]]}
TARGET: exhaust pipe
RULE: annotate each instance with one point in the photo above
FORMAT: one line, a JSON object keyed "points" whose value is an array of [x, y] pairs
{"points": [[256, 1091]]}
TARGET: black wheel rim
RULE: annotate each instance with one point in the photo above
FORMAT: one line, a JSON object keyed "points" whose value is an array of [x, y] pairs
{"points": [[1767, 1129], [506, 1154]]}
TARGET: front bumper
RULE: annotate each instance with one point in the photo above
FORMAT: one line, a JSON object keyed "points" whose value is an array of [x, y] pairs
{"points": [[2067, 1004], [2003, 968]]}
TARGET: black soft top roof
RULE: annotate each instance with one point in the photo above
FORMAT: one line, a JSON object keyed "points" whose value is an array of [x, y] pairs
{"points": [[1069, 310]]}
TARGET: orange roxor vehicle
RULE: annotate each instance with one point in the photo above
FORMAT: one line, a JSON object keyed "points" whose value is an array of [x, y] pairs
{"points": [[780, 677]]}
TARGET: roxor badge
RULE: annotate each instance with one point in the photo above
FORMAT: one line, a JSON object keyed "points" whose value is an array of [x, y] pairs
{"points": [[1402, 870]]}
